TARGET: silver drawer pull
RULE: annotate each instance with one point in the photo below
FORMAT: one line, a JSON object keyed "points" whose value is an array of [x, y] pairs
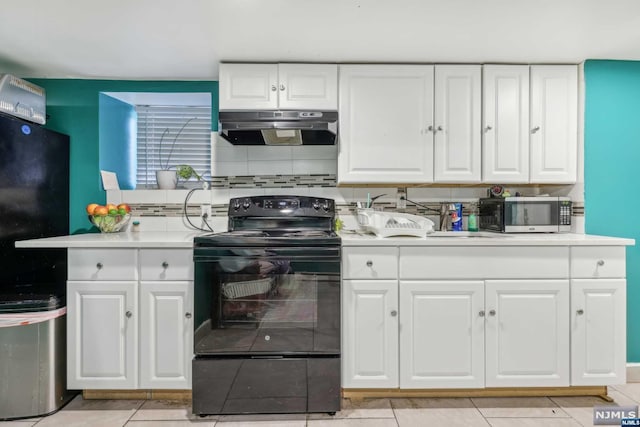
{"points": [[369, 263], [165, 264], [580, 312], [394, 313], [601, 262], [281, 87], [273, 88], [492, 312], [99, 265], [187, 315], [128, 314], [535, 129], [481, 313]]}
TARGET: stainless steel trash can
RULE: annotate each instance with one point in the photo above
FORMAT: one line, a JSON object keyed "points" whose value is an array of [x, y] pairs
{"points": [[32, 357]]}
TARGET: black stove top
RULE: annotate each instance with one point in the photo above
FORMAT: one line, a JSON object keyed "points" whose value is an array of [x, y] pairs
{"points": [[276, 221]]}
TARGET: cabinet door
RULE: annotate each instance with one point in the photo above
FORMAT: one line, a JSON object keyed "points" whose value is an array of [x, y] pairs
{"points": [[527, 333], [441, 334], [102, 335], [386, 114], [248, 86], [598, 332], [166, 334], [457, 123], [370, 334], [505, 155], [308, 86], [554, 128]]}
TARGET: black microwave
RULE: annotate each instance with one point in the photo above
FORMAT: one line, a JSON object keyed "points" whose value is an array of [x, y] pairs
{"points": [[525, 214]]}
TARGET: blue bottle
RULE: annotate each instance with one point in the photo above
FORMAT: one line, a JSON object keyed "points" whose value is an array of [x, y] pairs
{"points": [[456, 218]]}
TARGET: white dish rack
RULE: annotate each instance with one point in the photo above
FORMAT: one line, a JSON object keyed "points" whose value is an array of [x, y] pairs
{"points": [[235, 290], [386, 224]]}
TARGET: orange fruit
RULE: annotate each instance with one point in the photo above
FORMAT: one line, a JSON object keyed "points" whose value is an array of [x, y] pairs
{"points": [[124, 206], [111, 206], [101, 211], [91, 207]]}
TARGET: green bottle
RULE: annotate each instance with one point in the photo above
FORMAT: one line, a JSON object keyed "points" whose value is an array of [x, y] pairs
{"points": [[473, 218]]}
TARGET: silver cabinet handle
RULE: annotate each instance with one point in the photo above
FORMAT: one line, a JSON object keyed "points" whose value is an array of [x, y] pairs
{"points": [[165, 264], [481, 313], [273, 88], [492, 312], [580, 312], [128, 314], [430, 128], [394, 313], [535, 129], [187, 315], [99, 265], [281, 87], [601, 262], [369, 263], [488, 128], [439, 128]]}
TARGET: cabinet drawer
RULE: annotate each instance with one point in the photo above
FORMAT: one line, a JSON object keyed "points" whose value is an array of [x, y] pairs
{"points": [[369, 263], [103, 264], [484, 262], [166, 264], [598, 261]]}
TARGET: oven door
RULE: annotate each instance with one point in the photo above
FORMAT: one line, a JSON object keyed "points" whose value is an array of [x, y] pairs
{"points": [[264, 302], [531, 215]]}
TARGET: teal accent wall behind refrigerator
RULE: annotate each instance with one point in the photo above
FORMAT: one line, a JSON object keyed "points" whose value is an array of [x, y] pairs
{"points": [[612, 169], [73, 109]]}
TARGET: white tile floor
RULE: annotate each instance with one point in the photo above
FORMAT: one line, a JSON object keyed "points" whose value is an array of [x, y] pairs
{"points": [[464, 412]]}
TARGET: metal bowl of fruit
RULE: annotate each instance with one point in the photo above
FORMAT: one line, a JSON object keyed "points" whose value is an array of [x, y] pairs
{"points": [[109, 218]]}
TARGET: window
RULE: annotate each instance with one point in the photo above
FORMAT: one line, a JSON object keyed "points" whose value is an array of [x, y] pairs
{"points": [[159, 127]]}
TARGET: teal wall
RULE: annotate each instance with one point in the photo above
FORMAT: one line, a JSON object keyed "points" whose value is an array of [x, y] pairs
{"points": [[73, 109], [612, 169], [117, 136]]}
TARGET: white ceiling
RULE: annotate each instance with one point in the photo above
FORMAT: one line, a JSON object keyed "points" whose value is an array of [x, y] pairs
{"points": [[186, 39]]}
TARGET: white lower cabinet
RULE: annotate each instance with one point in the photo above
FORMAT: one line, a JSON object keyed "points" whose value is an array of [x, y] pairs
{"points": [[527, 333], [370, 334], [102, 331], [129, 334], [166, 334], [414, 319], [598, 331], [441, 334]]}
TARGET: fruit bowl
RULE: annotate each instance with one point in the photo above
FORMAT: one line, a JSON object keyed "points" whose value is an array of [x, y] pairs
{"points": [[110, 223]]}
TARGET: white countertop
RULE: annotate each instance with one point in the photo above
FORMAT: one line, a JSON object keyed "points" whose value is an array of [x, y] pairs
{"points": [[142, 239], [453, 239], [179, 239]]}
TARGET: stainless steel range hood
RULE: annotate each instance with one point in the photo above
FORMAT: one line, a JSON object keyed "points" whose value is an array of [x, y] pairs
{"points": [[279, 127]]}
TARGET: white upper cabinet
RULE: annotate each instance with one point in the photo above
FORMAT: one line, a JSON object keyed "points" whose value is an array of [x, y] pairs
{"points": [[386, 114], [457, 123], [278, 86], [505, 106], [554, 129]]}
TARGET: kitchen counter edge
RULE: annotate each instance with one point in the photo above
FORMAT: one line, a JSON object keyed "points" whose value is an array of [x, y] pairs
{"points": [[143, 239], [561, 239]]}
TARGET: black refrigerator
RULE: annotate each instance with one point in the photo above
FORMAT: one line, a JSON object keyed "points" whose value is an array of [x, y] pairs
{"points": [[34, 203]]}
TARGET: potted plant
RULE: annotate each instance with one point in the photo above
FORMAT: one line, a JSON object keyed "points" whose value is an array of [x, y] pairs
{"points": [[167, 178]]}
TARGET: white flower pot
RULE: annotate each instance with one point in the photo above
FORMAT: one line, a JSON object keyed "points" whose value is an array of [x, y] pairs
{"points": [[166, 179]]}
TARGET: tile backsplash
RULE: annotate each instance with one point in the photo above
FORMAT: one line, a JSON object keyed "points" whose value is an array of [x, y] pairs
{"points": [[238, 160], [161, 210]]}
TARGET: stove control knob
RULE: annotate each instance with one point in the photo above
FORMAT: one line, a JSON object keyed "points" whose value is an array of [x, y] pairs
{"points": [[246, 204], [326, 206], [316, 204], [236, 204]]}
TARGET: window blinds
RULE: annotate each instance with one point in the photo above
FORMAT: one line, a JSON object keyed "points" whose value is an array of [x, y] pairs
{"points": [[192, 146]]}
